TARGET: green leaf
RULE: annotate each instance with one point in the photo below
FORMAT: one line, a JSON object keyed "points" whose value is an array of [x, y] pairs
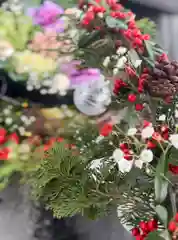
{"points": [[133, 56], [161, 189], [115, 23], [87, 39], [150, 51], [148, 61], [154, 236], [162, 214]]}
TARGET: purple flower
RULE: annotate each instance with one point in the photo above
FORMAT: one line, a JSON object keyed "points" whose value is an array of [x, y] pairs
{"points": [[80, 76], [47, 16]]}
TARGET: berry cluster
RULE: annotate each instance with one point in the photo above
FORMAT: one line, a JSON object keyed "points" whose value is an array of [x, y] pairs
{"points": [[7, 142], [132, 34], [141, 232], [173, 227], [128, 154]]}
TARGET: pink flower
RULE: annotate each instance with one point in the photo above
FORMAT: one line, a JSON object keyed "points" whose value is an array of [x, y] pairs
{"points": [[47, 16]]}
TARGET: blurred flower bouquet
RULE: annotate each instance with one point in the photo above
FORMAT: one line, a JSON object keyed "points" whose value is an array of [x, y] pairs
{"points": [[36, 43]]}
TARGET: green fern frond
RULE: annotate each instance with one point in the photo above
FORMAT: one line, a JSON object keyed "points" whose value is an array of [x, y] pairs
{"points": [[147, 27]]}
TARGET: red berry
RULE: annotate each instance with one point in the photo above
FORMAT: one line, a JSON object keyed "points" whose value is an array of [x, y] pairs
{"points": [[136, 33], [151, 145], [172, 226], [4, 153], [106, 129], [156, 136], [128, 157], [152, 225], [13, 137], [90, 16], [117, 7], [126, 151], [146, 123], [138, 41], [139, 107], [2, 135], [140, 237], [146, 37], [113, 14], [123, 146], [166, 136], [120, 15], [176, 217], [111, 2], [132, 98], [85, 22], [131, 24], [145, 70], [164, 128], [173, 169], [135, 231], [144, 226]]}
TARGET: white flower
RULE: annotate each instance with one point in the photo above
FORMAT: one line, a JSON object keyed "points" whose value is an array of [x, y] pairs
{"points": [[139, 164], [99, 139], [8, 121], [174, 140], [61, 82], [132, 131], [6, 111], [100, 15], [106, 61], [137, 63], [118, 154], [96, 164], [176, 113], [121, 50], [162, 117], [115, 71], [146, 156], [121, 62], [123, 164], [147, 132]]}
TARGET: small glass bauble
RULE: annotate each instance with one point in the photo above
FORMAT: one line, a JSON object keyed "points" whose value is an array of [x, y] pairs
{"points": [[93, 98]]}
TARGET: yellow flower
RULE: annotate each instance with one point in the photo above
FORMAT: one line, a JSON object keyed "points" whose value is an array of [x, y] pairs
{"points": [[28, 61]]}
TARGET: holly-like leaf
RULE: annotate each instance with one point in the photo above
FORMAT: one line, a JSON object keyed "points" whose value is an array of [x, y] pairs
{"points": [[115, 23], [162, 214], [150, 50]]}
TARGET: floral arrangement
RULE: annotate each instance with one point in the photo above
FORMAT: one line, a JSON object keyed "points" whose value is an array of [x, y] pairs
{"points": [[125, 156], [36, 43]]}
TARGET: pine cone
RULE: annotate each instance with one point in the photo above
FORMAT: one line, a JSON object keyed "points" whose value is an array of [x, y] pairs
{"points": [[163, 80]]}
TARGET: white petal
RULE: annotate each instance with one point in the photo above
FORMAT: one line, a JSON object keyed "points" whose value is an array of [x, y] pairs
{"points": [[139, 164], [125, 166], [132, 132], [174, 140], [137, 63], [118, 154], [162, 117], [147, 132], [146, 156]]}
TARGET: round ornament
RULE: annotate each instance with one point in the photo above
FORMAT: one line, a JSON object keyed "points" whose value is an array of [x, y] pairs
{"points": [[93, 98]]}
